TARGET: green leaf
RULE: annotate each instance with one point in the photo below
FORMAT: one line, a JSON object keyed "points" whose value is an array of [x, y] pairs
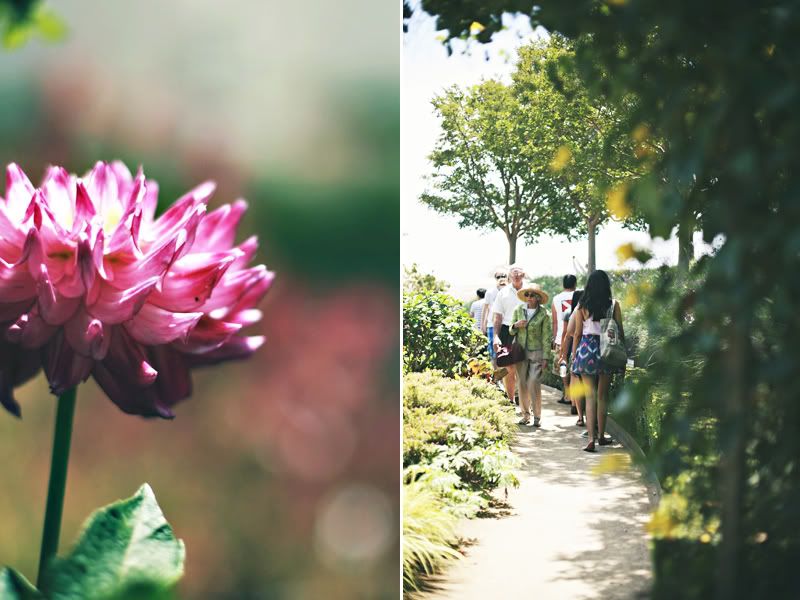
{"points": [[50, 26], [126, 550], [16, 36], [14, 586]]}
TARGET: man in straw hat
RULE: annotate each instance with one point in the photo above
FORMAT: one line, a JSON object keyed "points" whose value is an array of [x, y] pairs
{"points": [[533, 329], [502, 311]]}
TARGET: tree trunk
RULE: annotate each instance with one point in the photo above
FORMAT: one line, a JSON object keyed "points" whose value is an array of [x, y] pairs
{"points": [[512, 248], [592, 232], [733, 427], [685, 245]]}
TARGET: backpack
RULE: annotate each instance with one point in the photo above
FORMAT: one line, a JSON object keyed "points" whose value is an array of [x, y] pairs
{"points": [[612, 350]]}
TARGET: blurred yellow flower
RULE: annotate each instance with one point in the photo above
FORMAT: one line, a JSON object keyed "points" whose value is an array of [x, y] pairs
{"points": [[705, 538], [625, 252], [641, 133], [631, 295], [476, 28], [760, 537], [612, 463], [661, 524], [617, 201], [561, 159], [577, 388], [617, 2]]}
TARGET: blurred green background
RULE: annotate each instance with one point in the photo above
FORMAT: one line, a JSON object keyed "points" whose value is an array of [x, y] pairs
{"points": [[280, 473]]}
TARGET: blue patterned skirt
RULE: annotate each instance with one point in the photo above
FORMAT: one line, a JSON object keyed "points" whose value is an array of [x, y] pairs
{"points": [[587, 357]]}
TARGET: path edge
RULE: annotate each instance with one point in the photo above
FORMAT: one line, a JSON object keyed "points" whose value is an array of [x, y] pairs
{"points": [[652, 483]]}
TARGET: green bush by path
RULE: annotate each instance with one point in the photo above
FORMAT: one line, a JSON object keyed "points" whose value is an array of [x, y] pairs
{"points": [[439, 334], [429, 532], [456, 435]]}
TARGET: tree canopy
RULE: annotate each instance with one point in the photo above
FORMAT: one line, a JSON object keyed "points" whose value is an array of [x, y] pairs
{"points": [[484, 169]]}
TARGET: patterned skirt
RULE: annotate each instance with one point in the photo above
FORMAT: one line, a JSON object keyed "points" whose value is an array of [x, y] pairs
{"points": [[587, 357]]}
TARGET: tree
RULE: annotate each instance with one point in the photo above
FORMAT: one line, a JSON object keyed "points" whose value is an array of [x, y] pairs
{"points": [[417, 282], [485, 173], [584, 143]]}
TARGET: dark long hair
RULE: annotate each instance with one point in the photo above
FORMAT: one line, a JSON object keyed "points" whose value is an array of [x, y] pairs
{"points": [[597, 295], [576, 299]]}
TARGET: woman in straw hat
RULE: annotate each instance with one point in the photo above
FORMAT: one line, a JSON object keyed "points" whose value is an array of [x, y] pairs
{"points": [[534, 331]]}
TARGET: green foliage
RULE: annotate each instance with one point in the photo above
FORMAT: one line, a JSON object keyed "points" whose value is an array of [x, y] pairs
{"points": [[127, 551], [429, 532], [417, 282], [456, 435], [13, 586], [483, 168], [21, 20], [438, 334]]}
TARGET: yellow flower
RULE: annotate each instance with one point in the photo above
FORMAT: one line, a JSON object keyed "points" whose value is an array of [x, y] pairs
{"points": [[705, 538], [625, 252], [641, 133], [612, 463], [561, 159], [577, 388], [617, 201], [476, 28], [661, 524]]}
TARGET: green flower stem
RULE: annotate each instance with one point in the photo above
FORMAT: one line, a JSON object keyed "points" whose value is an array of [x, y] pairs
{"points": [[58, 480]]}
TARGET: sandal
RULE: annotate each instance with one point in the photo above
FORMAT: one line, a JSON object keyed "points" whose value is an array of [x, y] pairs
{"points": [[605, 441], [590, 447], [580, 423]]}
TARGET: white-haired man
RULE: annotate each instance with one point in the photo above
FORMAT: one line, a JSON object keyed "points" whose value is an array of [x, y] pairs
{"points": [[502, 313]]}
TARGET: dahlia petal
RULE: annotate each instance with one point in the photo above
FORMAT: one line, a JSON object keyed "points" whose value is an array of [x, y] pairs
{"points": [[174, 382], [54, 307], [191, 281], [179, 213], [30, 331], [236, 348], [209, 334], [59, 192], [153, 325], [85, 211], [17, 365], [19, 192], [246, 317], [87, 335], [218, 229], [254, 293], [154, 265], [16, 284], [234, 285], [127, 360], [143, 402], [248, 248], [64, 367], [101, 183], [114, 306], [12, 311]]}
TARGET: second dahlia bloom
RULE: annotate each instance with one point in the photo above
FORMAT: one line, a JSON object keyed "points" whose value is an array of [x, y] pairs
{"points": [[91, 283]]}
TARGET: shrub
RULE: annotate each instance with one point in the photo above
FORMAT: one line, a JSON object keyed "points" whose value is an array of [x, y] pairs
{"points": [[429, 532], [439, 334]]}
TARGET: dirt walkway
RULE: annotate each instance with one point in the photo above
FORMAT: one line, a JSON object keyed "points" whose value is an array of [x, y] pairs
{"points": [[566, 533]]}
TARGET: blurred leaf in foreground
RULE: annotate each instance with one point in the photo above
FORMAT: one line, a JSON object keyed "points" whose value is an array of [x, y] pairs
{"points": [[127, 550]]}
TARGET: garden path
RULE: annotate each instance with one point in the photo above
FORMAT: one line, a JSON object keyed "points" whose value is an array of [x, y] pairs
{"points": [[564, 533]]}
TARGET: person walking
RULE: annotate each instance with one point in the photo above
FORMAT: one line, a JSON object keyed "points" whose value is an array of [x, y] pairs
{"points": [[562, 305], [476, 308], [532, 327], [565, 357], [502, 313], [595, 304], [487, 322]]}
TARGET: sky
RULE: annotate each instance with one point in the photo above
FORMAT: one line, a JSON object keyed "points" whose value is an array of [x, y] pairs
{"points": [[466, 258]]}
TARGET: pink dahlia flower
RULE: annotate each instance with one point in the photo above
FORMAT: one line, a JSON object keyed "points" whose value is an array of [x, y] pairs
{"points": [[91, 283]]}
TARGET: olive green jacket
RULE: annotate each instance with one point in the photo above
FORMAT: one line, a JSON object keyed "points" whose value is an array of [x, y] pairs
{"points": [[538, 335]]}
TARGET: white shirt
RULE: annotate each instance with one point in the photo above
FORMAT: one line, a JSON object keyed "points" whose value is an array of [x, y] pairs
{"points": [[505, 303], [476, 312], [562, 303]]}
